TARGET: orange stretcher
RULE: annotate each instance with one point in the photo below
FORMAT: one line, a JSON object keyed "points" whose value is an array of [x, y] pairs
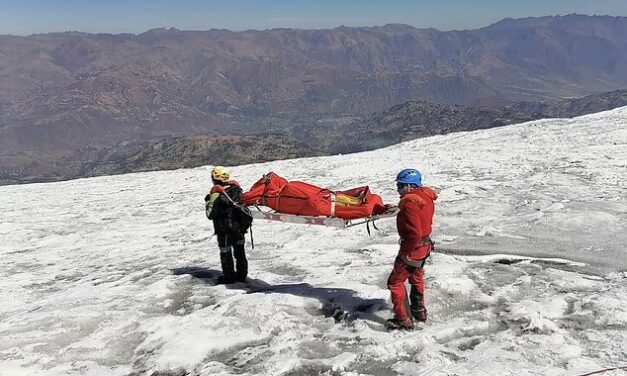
{"points": [[274, 198]]}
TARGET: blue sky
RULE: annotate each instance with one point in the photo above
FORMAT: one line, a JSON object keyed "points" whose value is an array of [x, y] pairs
{"points": [[22, 17]]}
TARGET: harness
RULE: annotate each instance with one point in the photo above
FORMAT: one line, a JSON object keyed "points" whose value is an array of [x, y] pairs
{"points": [[414, 264]]}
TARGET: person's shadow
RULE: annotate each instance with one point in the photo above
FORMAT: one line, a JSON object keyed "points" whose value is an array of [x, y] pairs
{"points": [[339, 303], [208, 275]]}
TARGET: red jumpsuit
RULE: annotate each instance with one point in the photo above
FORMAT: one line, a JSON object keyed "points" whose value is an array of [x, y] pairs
{"points": [[414, 228]]}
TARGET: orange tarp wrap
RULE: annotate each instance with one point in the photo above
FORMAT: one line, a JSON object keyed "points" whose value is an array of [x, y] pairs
{"points": [[300, 198]]}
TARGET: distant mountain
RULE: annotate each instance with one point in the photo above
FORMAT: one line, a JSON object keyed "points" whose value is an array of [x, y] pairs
{"points": [[411, 120], [417, 119], [573, 107], [64, 91]]}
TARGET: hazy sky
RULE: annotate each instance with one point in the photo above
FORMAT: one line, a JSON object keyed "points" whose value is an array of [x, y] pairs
{"points": [[21, 17]]}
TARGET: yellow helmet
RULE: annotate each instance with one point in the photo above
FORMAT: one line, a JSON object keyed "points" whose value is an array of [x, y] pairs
{"points": [[220, 173]]}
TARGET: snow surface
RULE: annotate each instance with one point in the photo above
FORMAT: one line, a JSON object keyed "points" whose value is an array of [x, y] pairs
{"points": [[113, 275]]}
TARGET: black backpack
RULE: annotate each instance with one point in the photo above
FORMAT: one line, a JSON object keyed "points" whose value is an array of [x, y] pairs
{"points": [[243, 216]]}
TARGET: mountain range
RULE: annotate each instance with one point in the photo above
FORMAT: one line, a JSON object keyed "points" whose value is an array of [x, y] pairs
{"points": [[65, 96]]}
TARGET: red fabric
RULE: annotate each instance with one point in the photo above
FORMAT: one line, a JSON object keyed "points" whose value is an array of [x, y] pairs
{"points": [[396, 284], [265, 189], [301, 198], [414, 221], [217, 188], [221, 188]]}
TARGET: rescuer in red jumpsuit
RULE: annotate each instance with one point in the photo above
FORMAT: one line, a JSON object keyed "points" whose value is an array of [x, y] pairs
{"points": [[414, 228]]}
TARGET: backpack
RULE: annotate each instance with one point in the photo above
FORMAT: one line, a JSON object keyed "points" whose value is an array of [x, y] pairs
{"points": [[243, 216]]}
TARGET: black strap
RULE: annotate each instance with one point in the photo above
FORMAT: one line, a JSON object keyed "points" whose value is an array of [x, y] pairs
{"points": [[252, 242], [414, 264], [374, 225]]}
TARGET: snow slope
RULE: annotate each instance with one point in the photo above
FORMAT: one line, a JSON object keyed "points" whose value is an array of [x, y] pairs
{"points": [[113, 275]]}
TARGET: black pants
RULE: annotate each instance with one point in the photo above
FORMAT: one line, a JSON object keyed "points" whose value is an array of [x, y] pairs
{"points": [[233, 245]]}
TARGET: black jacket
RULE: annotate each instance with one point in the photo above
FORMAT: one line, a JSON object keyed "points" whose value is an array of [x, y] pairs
{"points": [[221, 209]]}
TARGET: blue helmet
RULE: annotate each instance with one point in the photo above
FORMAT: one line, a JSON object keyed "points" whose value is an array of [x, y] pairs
{"points": [[409, 176]]}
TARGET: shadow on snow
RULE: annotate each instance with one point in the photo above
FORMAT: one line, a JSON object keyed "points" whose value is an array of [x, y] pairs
{"points": [[340, 303]]}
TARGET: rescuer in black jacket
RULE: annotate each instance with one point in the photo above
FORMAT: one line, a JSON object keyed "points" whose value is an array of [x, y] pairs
{"points": [[229, 224]]}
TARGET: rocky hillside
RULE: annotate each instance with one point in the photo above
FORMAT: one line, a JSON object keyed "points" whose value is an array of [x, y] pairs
{"points": [[404, 122], [162, 154], [416, 119], [573, 107]]}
